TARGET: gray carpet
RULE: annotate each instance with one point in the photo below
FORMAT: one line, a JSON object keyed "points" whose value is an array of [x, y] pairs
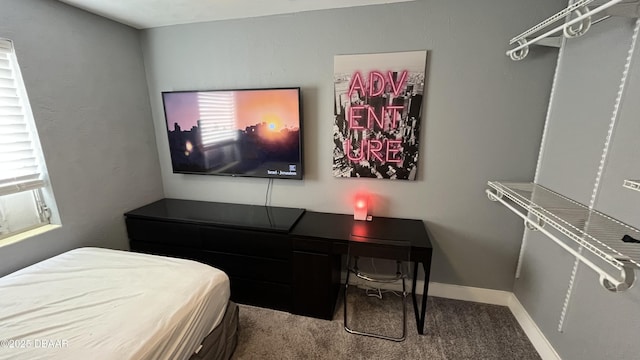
{"points": [[454, 330]]}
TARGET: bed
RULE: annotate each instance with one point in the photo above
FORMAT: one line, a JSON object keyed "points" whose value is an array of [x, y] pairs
{"points": [[93, 303]]}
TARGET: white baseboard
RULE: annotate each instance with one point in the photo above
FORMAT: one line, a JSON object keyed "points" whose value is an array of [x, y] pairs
{"points": [[467, 293], [497, 297], [535, 335]]}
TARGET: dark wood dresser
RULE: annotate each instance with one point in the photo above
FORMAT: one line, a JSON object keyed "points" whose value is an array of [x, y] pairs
{"points": [[281, 258], [250, 243]]}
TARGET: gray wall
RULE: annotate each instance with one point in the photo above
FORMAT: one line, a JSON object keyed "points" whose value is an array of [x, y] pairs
{"points": [[599, 324], [85, 79], [483, 118]]}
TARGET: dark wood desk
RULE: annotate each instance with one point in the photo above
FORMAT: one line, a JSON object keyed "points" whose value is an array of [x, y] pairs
{"points": [[319, 236], [279, 258]]}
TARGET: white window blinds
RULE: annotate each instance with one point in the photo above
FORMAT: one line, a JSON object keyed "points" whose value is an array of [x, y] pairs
{"points": [[19, 164], [217, 117]]}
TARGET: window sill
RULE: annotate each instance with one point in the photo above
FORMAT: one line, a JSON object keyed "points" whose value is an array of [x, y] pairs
{"points": [[27, 234]]}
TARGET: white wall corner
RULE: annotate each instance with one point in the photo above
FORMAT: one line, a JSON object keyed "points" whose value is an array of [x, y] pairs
{"points": [[497, 297], [535, 335]]}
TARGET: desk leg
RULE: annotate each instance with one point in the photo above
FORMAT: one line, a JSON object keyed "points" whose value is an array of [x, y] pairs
{"points": [[420, 315]]}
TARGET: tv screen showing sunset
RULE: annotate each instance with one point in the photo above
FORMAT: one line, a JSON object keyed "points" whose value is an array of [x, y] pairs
{"points": [[236, 132]]}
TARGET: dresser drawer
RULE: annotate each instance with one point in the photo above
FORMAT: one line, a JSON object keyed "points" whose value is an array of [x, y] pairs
{"points": [[260, 293], [246, 267], [312, 245], [249, 267], [244, 242], [163, 232], [165, 250]]}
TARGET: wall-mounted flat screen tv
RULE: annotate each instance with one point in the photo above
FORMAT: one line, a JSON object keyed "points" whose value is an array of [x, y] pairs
{"points": [[252, 132]]}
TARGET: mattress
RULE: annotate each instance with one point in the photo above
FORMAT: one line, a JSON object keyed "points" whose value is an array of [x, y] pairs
{"points": [[222, 341], [92, 303]]}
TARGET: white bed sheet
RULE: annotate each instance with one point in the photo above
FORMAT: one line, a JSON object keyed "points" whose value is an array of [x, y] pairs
{"points": [[93, 303]]}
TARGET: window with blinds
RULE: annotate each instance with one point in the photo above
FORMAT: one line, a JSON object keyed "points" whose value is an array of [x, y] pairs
{"points": [[22, 168], [217, 117]]}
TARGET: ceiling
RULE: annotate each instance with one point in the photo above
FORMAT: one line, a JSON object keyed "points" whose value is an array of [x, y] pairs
{"points": [[143, 14]]}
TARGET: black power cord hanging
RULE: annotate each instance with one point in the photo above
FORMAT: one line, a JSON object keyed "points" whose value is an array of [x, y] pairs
{"points": [[267, 200], [267, 196]]}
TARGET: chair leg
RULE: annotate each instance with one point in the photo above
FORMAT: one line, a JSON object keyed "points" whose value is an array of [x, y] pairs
{"points": [[378, 336]]}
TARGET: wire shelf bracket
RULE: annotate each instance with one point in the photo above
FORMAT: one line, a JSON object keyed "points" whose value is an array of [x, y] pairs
{"points": [[578, 19], [632, 184], [611, 241]]}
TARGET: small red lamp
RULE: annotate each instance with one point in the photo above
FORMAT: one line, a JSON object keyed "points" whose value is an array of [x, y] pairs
{"points": [[360, 207]]}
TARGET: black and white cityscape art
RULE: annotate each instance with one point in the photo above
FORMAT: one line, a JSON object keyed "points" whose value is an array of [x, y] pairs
{"points": [[377, 112]]}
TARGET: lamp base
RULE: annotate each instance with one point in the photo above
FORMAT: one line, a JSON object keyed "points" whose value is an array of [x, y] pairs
{"points": [[360, 214]]}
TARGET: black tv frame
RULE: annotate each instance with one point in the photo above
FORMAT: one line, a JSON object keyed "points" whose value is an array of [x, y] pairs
{"points": [[300, 175]]}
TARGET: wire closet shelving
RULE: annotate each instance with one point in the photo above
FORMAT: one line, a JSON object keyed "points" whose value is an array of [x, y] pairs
{"points": [[613, 243], [577, 19]]}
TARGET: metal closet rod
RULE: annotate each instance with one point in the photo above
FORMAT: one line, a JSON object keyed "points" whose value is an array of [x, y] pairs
{"points": [[564, 26], [615, 284]]}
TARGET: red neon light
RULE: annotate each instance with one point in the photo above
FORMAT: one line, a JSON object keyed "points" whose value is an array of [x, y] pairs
{"points": [[349, 152], [356, 112], [397, 147], [372, 82], [394, 114], [356, 83], [372, 115], [353, 118], [377, 77], [396, 87], [382, 150], [374, 150]]}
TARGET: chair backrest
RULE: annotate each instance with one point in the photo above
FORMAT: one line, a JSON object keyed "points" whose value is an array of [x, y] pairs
{"points": [[370, 247]]}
